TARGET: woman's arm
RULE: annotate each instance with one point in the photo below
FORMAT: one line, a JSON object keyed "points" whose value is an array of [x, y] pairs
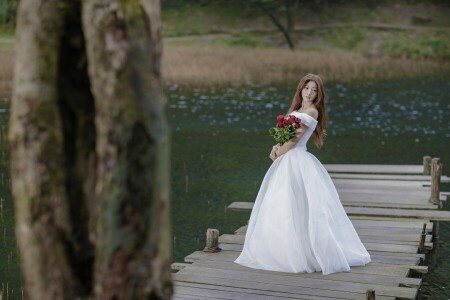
{"points": [[291, 144], [298, 135]]}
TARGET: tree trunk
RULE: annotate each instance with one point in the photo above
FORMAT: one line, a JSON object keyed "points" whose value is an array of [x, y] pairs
{"points": [[124, 49], [288, 11], [90, 170], [278, 24], [38, 180]]}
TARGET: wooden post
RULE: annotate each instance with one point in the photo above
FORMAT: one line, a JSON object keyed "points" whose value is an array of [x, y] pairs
{"points": [[427, 165], [435, 231], [212, 240], [436, 169], [422, 239], [370, 295]]}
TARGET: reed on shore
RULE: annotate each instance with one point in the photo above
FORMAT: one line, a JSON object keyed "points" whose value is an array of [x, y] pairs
{"points": [[212, 65], [231, 65], [6, 70]]}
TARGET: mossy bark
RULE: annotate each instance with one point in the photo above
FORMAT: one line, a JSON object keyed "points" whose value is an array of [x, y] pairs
{"points": [[89, 150], [37, 156], [124, 50]]}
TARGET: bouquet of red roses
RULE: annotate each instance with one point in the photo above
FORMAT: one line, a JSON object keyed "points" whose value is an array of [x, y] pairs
{"points": [[285, 129]]}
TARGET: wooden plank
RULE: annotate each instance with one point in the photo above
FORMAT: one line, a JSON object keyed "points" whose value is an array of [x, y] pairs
{"points": [[389, 205], [397, 260], [403, 234], [365, 235], [415, 255], [392, 236], [241, 206], [249, 205], [419, 179], [389, 219], [185, 297], [183, 292], [385, 169], [198, 291], [402, 201], [390, 194], [385, 193], [400, 234], [245, 293], [378, 227], [176, 266], [399, 213], [384, 224], [338, 180], [372, 199], [385, 279], [262, 288], [289, 283], [400, 248], [424, 180], [230, 256]]}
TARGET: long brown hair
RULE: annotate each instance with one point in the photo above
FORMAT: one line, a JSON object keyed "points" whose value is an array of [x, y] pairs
{"points": [[319, 104]]}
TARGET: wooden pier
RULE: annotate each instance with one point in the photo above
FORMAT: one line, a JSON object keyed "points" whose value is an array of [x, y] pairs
{"points": [[394, 209]]}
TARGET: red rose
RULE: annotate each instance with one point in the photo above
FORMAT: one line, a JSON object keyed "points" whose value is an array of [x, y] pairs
{"points": [[280, 118], [279, 125], [286, 122]]}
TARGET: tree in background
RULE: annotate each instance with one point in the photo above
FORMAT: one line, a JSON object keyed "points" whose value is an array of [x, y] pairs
{"points": [[286, 7], [8, 10], [89, 150]]}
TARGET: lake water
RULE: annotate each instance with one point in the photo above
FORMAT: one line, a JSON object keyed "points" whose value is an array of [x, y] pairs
{"points": [[220, 148]]}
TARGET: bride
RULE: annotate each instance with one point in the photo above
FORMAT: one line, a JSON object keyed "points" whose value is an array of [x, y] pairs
{"points": [[298, 223]]}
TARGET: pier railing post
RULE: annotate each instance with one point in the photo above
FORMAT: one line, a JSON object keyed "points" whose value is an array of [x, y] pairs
{"points": [[422, 239], [212, 240], [436, 169], [427, 165], [370, 295]]}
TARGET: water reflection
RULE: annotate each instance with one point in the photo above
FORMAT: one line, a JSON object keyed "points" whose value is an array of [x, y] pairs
{"points": [[378, 109]]}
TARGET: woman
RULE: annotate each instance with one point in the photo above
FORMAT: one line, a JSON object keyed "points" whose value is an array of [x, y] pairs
{"points": [[298, 223]]}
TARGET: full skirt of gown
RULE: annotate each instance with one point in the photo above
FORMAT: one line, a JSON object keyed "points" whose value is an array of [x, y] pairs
{"points": [[298, 223]]}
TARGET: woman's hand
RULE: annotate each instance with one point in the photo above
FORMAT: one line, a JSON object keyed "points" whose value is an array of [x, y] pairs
{"points": [[273, 154]]}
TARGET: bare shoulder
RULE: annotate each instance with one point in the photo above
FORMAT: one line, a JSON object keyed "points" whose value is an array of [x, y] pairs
{"points": [[313, 112]]}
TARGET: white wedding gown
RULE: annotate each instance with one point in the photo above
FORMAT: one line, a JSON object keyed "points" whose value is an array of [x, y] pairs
{"points": [[298, 223]]}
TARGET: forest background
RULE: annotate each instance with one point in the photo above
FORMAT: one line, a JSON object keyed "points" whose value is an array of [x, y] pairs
{"points": [[223, 42]]}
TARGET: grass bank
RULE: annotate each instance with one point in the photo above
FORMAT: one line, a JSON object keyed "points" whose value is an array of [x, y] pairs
{"points": [[398, 29], [193, 65], [6, 71], [213, 65]]}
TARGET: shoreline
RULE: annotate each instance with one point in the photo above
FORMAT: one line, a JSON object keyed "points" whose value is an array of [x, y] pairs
{"points": [[238, 66], [221, 66]]}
